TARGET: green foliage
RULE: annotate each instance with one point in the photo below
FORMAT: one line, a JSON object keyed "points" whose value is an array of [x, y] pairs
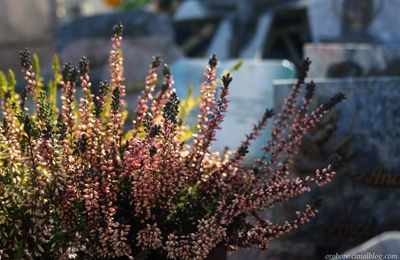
{"points": [[52, 85], [37, 70], [186, 106], [11, 81], [235, 67], [132, 4], [3, 84]]}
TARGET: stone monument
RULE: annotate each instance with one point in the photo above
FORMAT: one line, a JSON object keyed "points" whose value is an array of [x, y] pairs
{"points": [[353, 38], [363, 200], [357, 43]]}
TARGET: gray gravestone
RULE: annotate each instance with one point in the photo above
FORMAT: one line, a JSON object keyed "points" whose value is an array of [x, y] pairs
{"points": [[355, 21], [350, 59], [363, 199]]}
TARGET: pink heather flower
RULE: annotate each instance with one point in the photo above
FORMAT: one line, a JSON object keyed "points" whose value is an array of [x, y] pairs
{"points": [[93, 189]]}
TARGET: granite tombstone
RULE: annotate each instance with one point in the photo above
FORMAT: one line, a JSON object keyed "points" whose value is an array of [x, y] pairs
{"points": [[363, 199]]}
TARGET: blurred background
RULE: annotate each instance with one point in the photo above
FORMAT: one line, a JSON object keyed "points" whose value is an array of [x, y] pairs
{"points": [[354, 46]]}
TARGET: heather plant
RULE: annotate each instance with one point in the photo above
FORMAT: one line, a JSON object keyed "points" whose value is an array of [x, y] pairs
{"points": [[76, 181]]}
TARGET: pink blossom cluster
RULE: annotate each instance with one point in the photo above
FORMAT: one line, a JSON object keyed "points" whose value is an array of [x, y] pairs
{"points": [[77, 184]]}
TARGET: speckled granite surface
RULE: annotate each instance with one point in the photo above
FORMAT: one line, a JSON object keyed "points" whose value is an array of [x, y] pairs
{"points": [[364, 199]]}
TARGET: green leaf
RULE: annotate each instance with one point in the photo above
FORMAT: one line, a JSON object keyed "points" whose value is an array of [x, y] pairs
{"points": [[236, 66], [3, 84], [36, 64], [11, 81], [52, 85], [36, 69]]}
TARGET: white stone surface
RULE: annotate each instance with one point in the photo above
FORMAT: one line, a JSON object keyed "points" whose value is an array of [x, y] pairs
{"points": [[383, 245]]}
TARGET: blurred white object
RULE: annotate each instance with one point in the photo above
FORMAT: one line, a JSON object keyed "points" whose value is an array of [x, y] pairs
{"points": [[380, 247]]}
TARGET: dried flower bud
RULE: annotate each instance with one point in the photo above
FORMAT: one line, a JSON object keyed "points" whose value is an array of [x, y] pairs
{"points": [[339, 97], [81, 144], [269, 113], [115, 99], [243, 150], [310, 90], [26, 58], [62, 127], [154, 131], [303, 68], [69, 73], [166, 70], [213, 62], [171, 109], [156, 62], [47, 132], [65, 71], [226, 80], [84, 65], [118, 29], [164, 87], [147, 122], [103, 89], [153, 151], [74, 74]]}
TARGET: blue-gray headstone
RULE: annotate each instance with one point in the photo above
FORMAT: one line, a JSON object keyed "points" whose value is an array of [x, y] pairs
{"points": [[363, 199]]}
